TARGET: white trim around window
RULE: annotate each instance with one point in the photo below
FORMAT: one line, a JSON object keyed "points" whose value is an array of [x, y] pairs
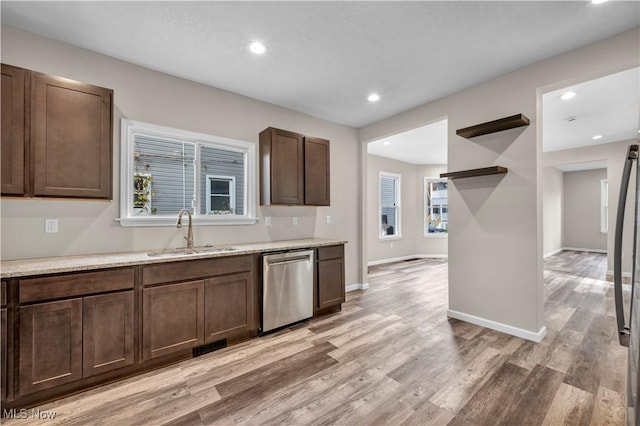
{"points": [[426, 209], [604, 206], [394, 204], [128, 217]]}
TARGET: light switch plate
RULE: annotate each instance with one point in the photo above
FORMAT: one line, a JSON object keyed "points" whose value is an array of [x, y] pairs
{"points": [[267, 221], [51, 226], [294, 220], [328, 219]]}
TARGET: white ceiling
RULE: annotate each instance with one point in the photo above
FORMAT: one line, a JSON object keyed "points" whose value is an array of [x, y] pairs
{"points": [[324, 58], [607, 106], [424, 145]]}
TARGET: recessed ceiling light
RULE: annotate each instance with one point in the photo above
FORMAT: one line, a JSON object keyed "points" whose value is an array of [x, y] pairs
{"points": [[596, 137], [257, 48], [567, 95], [374, 97], [598, 1], [386, 143]]}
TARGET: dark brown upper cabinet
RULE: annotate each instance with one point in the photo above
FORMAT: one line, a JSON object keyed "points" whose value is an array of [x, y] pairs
{"points": [[282, 167], [61, 145], [294, 169], [14, 93], [317, 189], [71, 138]]}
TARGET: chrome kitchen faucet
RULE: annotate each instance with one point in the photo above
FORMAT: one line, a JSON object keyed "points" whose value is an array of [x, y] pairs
{"points": [[189, 236]]}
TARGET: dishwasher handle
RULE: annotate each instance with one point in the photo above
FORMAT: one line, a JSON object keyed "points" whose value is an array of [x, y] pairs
{"points": [[289, 260]]}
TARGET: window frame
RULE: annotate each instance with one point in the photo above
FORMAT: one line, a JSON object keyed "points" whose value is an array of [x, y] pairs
{"points": [[604, 206], [426, 181], [131, 128], [398, 206]]}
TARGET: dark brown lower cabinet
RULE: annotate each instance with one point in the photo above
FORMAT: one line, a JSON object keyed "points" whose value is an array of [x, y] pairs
{"points": [[172, 318], [108, 332], [50, 344], [68, 340], [330, 291], [3, 360], [228, 306]]}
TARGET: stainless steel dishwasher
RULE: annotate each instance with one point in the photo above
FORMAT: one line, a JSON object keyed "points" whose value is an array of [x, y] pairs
{"points": [[287, 288]]}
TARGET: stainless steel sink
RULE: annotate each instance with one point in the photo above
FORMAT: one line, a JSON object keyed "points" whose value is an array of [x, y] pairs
{"points": [[195, 250]]}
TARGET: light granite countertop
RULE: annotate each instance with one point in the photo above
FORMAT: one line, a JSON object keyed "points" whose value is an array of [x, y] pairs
{"points": [[55, 265]]}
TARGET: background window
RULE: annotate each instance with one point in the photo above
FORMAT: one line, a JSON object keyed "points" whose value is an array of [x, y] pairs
{"points": [[604, 205], [389, 205], [436, 208], [221, 194]]}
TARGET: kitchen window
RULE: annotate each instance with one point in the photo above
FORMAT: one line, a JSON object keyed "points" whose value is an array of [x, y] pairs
{"points": [[436, 207], [164, 170], [389, 205]]}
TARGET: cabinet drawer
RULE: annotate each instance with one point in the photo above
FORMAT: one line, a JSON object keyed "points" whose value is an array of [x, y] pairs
{"points": [[193, 269], [44, 288], [331, 252]]}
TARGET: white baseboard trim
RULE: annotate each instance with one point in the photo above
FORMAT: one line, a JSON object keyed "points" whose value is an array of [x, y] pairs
{"points": [[498, 326], [356, 286], [551, 253], [624, 274], [401, 258], [588, 250]]}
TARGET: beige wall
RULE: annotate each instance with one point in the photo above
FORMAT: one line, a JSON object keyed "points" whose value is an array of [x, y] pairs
{"points": [[379, 249], [495, 238], [145, 95], [413, 241], [553, 187], [581, 219], [614, 154]]}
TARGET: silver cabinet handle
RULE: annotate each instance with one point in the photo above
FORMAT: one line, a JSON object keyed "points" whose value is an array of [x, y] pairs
{"points": [[289, 260]]}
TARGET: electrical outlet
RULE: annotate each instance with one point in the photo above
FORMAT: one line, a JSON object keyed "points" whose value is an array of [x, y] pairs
{"points": [[51, 226], [294, 220], [391, 245], [267, 221], [328, 219]]}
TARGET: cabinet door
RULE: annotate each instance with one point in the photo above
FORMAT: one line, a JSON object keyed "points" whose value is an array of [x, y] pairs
{"points": [[317, 191], [108, 328], [228, 306], [50, 344], [172, 318], [13, 130], [330, 283], [4, 371], [71, 132], [282, 162]]}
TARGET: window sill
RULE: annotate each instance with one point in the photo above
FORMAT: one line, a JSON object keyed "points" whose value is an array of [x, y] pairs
{"points": [[390, 237], [437, 235], [197, 221]]}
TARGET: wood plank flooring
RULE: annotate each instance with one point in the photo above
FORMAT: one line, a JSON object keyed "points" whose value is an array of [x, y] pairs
{"points": [[392, 357]]}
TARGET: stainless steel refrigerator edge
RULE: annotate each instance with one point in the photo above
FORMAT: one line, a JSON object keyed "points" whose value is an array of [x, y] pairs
{"points": [[287, 292], [629, 332]]}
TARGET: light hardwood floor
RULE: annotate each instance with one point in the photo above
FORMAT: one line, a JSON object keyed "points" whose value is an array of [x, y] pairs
{"points": [[392, 357]]}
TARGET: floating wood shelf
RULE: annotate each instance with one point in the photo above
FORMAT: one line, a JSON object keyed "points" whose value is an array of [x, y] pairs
{"points": [[493, 170], [499, 125]]}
